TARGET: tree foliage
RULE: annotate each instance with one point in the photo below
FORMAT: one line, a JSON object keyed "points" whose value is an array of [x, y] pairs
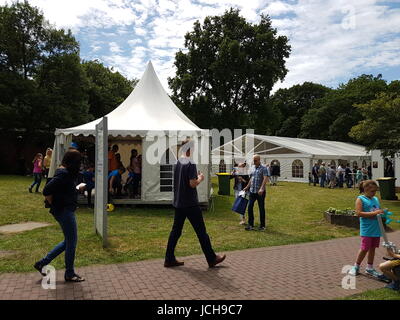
{"points": [[291, 104], [43, 83], [225, 77], [380, 127], [106, 89], [332, 116]]}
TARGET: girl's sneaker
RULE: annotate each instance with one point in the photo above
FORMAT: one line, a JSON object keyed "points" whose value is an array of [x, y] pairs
{"points": [[355, 270], [394, 285], [372, 272]]}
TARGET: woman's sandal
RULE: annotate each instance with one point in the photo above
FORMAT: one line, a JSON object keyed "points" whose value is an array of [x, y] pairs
{"points": [[75, 278]]}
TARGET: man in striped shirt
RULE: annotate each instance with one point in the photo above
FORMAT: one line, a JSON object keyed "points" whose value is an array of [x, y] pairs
{"points": [[259, 177]]}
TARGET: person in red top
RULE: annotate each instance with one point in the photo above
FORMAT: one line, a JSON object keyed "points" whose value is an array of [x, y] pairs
{"points": [[37, 172], [112, 159]]}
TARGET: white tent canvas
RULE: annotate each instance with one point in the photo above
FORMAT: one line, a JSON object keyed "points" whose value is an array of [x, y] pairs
{"points": [[295, 156], [150, 114]]}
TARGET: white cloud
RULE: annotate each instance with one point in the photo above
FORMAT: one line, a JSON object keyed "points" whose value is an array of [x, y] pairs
{"points": [[114, 47], [330, 39]]}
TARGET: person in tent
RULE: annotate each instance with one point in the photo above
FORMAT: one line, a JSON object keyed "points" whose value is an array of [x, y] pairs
{"points": [[112, 159], [88, 178], [115, 181]]}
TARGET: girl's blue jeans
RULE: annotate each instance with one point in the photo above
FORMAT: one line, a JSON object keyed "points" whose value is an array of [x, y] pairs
{"points": [[67, 221], [37, 180]]}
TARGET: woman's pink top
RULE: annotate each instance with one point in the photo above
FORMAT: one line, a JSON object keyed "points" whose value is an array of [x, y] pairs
{"points": [[36, 167]]}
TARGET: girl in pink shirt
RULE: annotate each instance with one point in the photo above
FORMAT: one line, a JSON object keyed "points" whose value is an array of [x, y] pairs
{"points": [[37, 172]]}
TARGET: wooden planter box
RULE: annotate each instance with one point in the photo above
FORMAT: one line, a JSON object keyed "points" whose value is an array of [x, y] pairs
{"points": [[345, 220], [342, 220]]}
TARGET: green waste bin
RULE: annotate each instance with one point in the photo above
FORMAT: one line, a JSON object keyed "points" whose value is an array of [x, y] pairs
{"points": [[387, 188], [224, 184]]}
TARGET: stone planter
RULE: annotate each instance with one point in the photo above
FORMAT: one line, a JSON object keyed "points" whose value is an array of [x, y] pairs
{"points": [[342, 220], [346, 220]]}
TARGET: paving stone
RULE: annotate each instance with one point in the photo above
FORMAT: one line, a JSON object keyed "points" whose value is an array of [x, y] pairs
{"points": [[6, 253], [21, 227], [308, 271]]}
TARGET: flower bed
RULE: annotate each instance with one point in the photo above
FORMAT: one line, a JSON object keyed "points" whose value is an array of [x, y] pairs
{"points": [[347, 218]]}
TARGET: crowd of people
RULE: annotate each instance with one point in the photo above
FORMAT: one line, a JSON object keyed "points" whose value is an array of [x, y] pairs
{"points": [[332, 177], [116, 186]]}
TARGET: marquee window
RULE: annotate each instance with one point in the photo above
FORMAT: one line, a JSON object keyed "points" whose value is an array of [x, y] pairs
{"points": [[297, 169]]}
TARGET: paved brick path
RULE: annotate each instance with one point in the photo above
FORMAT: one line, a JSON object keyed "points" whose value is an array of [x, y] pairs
{"points": [[302, 271]]}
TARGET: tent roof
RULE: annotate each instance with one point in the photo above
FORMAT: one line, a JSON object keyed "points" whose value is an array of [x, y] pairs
{"points": [[311, 147], [147, 108]]}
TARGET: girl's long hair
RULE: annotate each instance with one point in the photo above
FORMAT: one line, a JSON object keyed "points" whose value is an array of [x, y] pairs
{"points": [[72, 161]]}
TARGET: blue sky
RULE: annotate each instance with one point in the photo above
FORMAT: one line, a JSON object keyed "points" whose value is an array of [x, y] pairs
{"points": [[332, 40]]}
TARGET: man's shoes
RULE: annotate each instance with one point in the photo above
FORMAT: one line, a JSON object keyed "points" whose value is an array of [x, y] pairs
{"points": [[249, 228], [217, 260], [175, 263], [39, 268], [30, 189], [261, 229]]}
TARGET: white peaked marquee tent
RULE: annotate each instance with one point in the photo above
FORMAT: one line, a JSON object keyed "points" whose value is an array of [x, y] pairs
{"points": [[296, 156], [148, 114]]}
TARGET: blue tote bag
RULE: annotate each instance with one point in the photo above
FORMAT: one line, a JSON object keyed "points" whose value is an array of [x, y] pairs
{"points": [[240, 205]]}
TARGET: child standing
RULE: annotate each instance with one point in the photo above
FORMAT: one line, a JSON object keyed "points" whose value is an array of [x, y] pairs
{"points": [[367, 208], [37, 172], [89, 178]]}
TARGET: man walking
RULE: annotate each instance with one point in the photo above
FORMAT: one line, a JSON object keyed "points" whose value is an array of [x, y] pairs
{"points": [[258, 179], [186, 204]]}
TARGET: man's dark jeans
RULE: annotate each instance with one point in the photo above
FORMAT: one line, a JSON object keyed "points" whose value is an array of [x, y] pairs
{"points": [[68, 225], [196, 219], [261, 206]]}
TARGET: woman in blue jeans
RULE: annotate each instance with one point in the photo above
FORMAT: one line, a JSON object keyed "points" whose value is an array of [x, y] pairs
{"points": [[61, 195]]}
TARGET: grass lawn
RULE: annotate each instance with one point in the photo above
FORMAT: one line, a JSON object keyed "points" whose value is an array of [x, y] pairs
{"points": [[378, 294], [294, 215]]}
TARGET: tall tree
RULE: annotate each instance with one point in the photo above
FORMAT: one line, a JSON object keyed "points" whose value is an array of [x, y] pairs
{"points": [[225, 77], [106, 88], [41, 70]]}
